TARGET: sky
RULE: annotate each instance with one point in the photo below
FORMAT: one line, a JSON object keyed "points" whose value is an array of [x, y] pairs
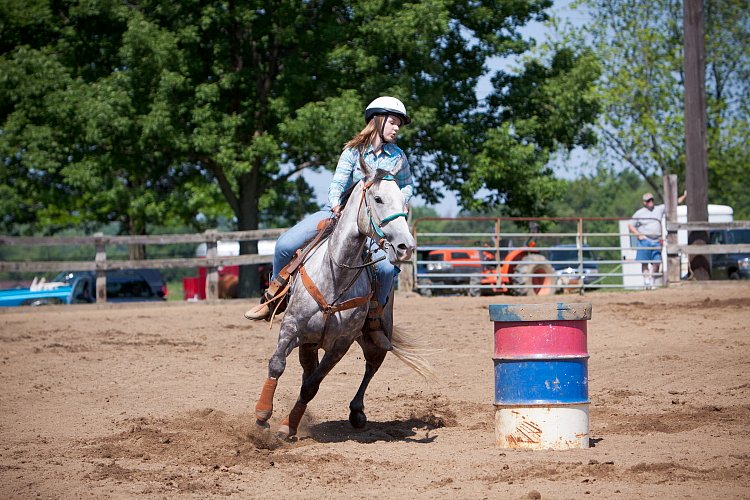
{"points": [[567, 168]]}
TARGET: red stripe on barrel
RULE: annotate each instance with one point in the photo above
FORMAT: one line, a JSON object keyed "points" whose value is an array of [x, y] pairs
{"points": [[540, 338]]}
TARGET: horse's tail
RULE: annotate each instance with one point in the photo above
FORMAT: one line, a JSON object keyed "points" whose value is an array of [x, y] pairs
{"points": [[412, 352]]}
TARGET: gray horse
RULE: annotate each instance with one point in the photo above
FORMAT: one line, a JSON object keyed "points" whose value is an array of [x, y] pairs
{"points": [[332, 317]]}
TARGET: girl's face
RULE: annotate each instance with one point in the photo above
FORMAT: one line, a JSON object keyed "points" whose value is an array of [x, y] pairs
{"points": [[392, 124]]}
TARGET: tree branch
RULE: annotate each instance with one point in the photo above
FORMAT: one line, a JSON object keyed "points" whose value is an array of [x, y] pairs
{"points": [[224, 185], [621, 151], [298, 168]]}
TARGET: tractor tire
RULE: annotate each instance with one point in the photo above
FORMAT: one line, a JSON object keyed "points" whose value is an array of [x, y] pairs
{"points": [[533, 284]]}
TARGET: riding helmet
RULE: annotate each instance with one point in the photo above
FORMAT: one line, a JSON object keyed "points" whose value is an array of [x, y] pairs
{"points": [[386, 105]]}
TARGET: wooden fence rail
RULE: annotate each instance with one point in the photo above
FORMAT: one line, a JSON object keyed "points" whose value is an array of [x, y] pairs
{"points": [[213, 261], [673, 227], [100, 264]]}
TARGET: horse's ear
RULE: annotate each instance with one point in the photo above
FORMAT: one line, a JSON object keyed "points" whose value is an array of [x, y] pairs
{"points": [[380, 174]]}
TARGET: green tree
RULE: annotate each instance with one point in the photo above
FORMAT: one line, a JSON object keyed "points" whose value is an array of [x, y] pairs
{"points": [[606, 193], [640, 45], [146, 110]]}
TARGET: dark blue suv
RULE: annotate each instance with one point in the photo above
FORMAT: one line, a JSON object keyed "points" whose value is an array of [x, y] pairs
{"points": [[735, 265], [123, 285]]}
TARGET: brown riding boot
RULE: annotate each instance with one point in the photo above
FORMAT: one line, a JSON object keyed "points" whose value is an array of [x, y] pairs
{"points": [[374, 327], [269, 300], [261, 311]]}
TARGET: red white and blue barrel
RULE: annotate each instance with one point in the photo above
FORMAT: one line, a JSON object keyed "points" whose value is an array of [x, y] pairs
{"points": [[541, 375]]}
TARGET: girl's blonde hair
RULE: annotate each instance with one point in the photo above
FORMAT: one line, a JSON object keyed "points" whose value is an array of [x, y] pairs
{"points": [[367, 135]]}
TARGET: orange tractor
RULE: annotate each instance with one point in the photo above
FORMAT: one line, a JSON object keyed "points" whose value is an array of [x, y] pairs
{"points": [[527, 269], [522, 271]]}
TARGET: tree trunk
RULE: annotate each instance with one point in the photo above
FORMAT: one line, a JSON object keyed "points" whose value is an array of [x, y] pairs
{"points": [[249, 282], [136, 251]]}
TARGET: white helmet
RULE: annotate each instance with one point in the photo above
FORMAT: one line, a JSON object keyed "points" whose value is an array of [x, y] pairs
{"points": [[385, 105]]}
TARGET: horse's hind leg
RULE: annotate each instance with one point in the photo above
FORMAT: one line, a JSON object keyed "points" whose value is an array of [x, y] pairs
{"points": [[374, 357], [288, 340], [310, 386]]}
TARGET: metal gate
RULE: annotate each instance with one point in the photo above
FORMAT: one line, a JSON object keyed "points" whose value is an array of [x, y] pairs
{"points": [[528, 256]]}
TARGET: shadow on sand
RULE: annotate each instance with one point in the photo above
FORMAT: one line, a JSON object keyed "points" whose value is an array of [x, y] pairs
{"points": [[414, 430]]}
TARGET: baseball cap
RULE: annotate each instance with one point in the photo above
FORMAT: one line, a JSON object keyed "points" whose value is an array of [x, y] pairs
{"points": [[648, 196]]}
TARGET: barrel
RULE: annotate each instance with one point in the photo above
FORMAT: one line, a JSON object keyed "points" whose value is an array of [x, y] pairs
{"points": [[541, 375]]}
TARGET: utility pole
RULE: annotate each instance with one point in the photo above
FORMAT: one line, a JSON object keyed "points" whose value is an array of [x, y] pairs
{"points": [[695, 130]]}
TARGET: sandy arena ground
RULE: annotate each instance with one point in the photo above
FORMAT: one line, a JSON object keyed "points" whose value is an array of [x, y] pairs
{"points": [[156, 400]]}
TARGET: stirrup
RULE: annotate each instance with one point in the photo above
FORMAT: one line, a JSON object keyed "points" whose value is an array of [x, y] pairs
{"points": [[272, 302], [374, 327], [256, 313]]}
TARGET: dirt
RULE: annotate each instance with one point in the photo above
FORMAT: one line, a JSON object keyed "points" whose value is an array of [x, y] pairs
{"points": [[155, 400]]}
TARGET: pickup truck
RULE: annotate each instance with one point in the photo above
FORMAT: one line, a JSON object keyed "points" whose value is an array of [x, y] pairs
{"points": [[42, 293], [78, 287], [731, 266]]}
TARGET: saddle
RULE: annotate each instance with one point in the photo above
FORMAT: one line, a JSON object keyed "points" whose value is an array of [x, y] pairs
{"points": [[278, 290], [277, 293]]}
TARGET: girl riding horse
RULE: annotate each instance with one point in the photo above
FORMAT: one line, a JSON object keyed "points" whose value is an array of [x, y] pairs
{"points": [[372, 148]]}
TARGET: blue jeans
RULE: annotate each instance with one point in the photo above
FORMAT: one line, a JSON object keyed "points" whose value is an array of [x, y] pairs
{"points": [[652, 252], [305, 230]]}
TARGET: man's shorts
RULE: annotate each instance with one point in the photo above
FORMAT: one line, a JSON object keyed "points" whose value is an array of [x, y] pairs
{"points": [[653, 252]]}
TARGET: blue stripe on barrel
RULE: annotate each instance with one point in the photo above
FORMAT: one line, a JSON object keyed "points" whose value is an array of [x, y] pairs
{"points": [[541, 381]]}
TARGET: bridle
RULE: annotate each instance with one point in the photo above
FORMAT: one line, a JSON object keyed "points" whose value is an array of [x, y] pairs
{"points": [[385, 220], [333, 307], [376, 225]]}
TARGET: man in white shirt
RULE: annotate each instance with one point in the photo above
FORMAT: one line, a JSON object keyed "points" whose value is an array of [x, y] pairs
{"points": [[646, 226]]}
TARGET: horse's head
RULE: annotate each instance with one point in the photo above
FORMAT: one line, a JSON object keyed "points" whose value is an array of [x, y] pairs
{"points": [[383, 216]]}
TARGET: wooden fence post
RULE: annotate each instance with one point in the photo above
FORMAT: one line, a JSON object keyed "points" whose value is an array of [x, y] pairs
{"points": [[101, 274], [406, 277], [579, 245], [212, 272], [673, 257]]}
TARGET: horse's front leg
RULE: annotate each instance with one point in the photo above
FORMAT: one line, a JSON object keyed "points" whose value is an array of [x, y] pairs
{"points": [[308, 359], [288, 340], [311, 384], [374, 357]]}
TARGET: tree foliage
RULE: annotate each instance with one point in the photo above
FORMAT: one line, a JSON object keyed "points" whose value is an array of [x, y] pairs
{"points": [[154, 111], [640, 45]]}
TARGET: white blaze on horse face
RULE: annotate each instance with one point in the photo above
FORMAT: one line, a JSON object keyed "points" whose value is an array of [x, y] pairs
{"points": [[387, 201]]}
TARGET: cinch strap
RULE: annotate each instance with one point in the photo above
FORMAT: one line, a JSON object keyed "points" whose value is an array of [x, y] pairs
{"points": [[325, 307]]}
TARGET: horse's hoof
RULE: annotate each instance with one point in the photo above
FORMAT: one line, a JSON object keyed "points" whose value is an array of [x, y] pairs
{"points": [[263, 424], [263, 415], [358, 419], [285, 432]]}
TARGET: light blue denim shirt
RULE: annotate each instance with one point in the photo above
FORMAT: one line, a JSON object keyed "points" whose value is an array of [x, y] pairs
{"points": [[348, 170]]}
